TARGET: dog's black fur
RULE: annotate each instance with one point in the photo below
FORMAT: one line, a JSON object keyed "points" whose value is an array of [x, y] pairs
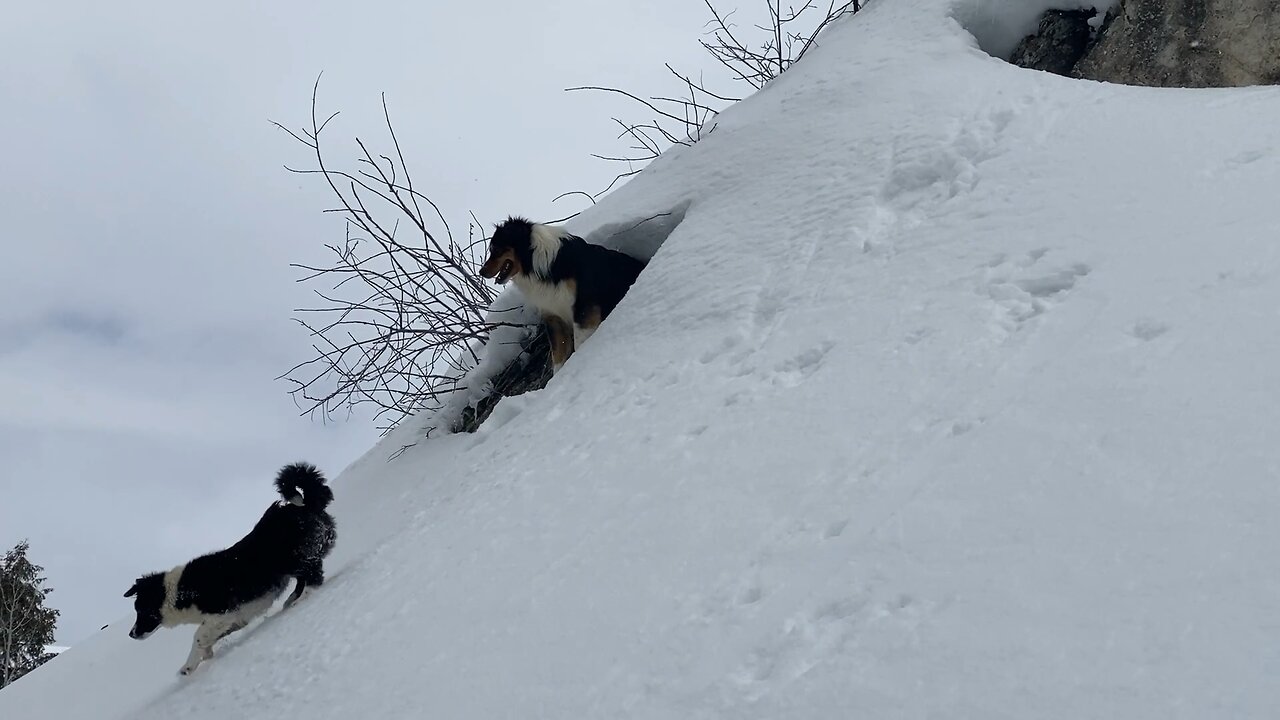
{"points": [[222, 591], [594, 276]]}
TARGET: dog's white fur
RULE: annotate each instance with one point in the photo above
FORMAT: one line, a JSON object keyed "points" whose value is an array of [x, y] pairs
{"points": [[550, 298], [216, 627], [544, 240], [212, 627], [170, 615]]}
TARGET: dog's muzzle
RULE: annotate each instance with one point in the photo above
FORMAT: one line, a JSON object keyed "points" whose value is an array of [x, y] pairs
{"points": [[499, 269], [505, 272]]}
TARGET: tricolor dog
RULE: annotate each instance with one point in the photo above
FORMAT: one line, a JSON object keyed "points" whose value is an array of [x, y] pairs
{"points": [[573, 283]]}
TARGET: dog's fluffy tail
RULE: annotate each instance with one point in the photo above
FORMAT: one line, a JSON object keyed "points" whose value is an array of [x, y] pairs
{"points": [[303, 477]]}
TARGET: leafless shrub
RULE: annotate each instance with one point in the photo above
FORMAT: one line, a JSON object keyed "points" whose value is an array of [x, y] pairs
{"points": [[679, 120], [403, 311], [755, 58], [788, 35]]}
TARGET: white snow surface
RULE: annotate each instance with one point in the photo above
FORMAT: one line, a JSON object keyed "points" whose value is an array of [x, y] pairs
{"points": [[953, 395]]}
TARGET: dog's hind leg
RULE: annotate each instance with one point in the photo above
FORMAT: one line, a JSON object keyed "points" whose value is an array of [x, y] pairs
{"points": [[561, 341], [298, 588], [310, 574]]}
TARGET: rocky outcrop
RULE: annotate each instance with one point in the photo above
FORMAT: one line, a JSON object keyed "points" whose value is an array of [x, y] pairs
{"points": [[528, 372], [1187, 43], [1059, 42]]}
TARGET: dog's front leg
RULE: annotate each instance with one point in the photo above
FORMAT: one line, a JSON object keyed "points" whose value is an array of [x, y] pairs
{"points": [[585, 321], [202, 644], [561, 335], [227, 630]]}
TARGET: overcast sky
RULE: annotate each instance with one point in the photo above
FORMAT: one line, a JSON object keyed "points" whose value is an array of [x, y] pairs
{"points": [[145, 293]]}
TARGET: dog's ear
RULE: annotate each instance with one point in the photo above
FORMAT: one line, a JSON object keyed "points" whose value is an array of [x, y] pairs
{"points": [[132, 591]]}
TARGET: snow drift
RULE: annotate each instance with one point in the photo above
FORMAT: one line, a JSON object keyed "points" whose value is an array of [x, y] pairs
{"points": [[952, 395]]}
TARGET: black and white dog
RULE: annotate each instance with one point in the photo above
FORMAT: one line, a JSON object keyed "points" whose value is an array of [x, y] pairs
{"points": [[224, 591], [573, 283]]}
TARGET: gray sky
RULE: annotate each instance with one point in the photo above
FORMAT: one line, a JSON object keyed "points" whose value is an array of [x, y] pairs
{"points": [[145, 292]]}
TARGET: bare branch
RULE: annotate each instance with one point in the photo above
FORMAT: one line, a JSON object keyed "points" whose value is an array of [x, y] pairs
{"points": [[403, 313], [688, 117]]}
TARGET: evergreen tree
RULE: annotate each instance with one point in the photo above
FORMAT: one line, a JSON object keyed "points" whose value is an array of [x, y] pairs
{"points": [[26, 625]]}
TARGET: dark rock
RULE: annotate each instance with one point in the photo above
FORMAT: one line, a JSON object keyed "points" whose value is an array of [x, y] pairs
{"points": [[530, 371], [1058, 44], [1187, 43]]}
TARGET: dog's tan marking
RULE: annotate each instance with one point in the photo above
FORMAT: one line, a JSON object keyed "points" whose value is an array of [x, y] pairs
{"points": [[591, 319], [493, 265], [586, 325], [561, 340]]}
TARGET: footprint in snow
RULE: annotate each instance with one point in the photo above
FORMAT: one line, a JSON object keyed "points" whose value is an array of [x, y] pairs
{"points": [[1024, 288], [1148, 330], [799, 368]]}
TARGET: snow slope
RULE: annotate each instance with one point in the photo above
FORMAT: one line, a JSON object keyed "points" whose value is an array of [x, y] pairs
{"points": [[953, 395]]}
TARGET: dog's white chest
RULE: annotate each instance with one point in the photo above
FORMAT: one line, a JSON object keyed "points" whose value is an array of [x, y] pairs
{"points": [[550, 298]]}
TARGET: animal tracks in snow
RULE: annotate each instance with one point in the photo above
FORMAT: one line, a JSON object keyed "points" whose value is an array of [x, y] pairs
{"points": [[796, 370], [924, 169], [1148, 330], [821, 633], [746, 363], [1026, 286], [788, 373], [803, 641], [835, 529]]}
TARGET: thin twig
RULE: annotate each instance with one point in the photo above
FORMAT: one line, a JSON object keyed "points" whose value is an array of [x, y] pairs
{"points": [[403, 316]]}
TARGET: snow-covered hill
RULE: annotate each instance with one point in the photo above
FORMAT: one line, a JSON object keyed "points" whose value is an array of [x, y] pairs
{"points": [[953, 395]]}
